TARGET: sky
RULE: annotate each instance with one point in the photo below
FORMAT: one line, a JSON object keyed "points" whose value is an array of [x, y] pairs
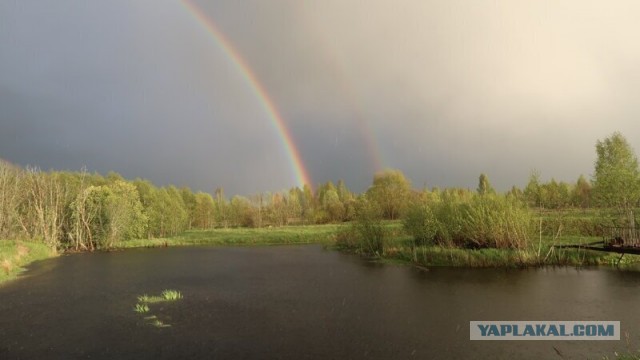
{"points": [[442, 90]]}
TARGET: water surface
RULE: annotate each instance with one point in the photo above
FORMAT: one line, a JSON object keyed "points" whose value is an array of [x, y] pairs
{"points": [[297, 302]]}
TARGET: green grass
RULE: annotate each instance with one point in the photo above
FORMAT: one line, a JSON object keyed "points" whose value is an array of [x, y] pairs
{"points": [[146, 299], [15, 255], [167, 295], [171, 295], [143, 306], [400, 249], [243, 236]]}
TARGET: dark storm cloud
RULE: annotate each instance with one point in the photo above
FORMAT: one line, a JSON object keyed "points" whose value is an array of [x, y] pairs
{"points": [[449, 89]]}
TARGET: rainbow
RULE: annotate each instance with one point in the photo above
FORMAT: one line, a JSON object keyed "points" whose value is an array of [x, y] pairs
{"points": [[301, 173], [336, 69]]}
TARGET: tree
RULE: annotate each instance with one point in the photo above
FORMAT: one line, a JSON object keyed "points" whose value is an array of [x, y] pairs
{"points": [[333, 206], [189, 200], [616, 182], [222, 211], [343, 192], [307, 204], [125, 213], [10, 183], [44, 208], [177, 214], [516, 193], [581, 194], [241, 211], [532, 190], [107, 214], [390, 191], [484, 187]]}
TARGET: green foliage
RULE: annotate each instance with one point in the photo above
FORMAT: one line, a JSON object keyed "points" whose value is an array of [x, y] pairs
{"points": [[147, 299], [484, 187], [390, 192], [471, 220], [171, 295], [421, 224], [333, 206], [141, 308], [107, 214], [203, 211], [616, 182], [371, 232], [14, 255], [532, 190], [304, 234], [581, 194]]}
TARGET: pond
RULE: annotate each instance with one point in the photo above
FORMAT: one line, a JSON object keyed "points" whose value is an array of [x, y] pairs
{"points": [[298, 302]]}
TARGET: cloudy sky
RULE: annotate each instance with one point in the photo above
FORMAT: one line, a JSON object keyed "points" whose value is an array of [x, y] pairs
{"points": [[442, 90]]}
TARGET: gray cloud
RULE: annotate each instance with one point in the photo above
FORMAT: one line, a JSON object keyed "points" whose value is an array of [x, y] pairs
{"points": [[450, 89]]}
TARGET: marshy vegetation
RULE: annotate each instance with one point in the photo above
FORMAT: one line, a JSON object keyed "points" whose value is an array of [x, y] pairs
{"points": [[518, 228], [144, 302]]}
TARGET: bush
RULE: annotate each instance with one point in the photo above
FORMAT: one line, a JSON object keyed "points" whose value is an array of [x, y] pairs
{"points": [[368, 226], [498, 222], [347, 238], [421, 224], [475, 221]]}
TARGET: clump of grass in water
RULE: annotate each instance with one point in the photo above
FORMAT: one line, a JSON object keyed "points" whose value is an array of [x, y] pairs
{"points": [[171, 295], [150, 299], [160, 324], [141, 308]]}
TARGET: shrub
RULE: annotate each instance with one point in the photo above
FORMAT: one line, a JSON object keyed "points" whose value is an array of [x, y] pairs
{"points": [[421, 224], [368, 226], [497, 222], [471, 220]]}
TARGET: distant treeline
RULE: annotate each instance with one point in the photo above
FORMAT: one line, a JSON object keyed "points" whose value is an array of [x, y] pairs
{"points": [[82, 211], [79, 210]]}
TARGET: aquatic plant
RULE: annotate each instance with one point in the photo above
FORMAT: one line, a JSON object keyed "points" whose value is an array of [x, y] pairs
{"points": [[160, 324], [143, 305], [141, 308], [171, 295], [150, 299]]}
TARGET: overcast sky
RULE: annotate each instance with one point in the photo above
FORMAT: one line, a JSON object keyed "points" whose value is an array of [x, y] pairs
{"points": [[442, 90]]}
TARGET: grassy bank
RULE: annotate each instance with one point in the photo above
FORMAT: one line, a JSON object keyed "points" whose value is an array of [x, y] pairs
{"points": [[14, 255], [400, 247]]}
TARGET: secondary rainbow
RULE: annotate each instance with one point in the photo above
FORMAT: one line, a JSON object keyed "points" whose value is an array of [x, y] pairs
{"points": [[301, 173]]}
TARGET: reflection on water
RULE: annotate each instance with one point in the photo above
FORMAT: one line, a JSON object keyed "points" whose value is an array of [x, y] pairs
{"points": [[298, 302]]}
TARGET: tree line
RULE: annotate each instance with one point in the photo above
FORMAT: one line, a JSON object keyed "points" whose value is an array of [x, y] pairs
{"points": [[83, 211]]}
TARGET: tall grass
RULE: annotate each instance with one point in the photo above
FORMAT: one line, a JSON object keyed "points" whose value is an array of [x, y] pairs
{"points": [[471, 221]]}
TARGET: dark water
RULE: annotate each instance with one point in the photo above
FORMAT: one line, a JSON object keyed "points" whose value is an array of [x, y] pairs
{"points": [[297, 302]]}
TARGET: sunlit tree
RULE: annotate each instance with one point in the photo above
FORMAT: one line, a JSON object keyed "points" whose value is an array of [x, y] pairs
{"points": [[616, 181], [389, 191]]}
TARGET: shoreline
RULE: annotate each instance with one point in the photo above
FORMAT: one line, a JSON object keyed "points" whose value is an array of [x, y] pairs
{"points": [[15, 255]]}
